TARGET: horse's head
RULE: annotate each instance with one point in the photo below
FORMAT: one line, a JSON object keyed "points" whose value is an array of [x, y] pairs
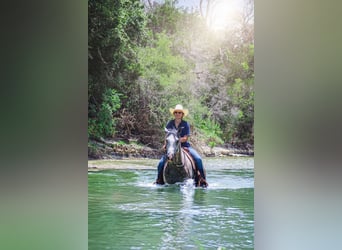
{"points": [[172, 142]]}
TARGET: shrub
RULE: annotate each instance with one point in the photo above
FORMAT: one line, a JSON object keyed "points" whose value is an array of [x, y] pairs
{"points": [[104, 124]]}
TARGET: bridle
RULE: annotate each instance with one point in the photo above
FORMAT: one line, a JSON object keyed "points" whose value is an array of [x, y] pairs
{"points": [[172, 156]]}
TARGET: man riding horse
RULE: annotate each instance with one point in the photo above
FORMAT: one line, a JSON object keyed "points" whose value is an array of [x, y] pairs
{"points": [[184, 132]]}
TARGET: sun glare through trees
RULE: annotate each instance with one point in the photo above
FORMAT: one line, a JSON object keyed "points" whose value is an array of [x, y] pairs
{"points": [[224, 14]]}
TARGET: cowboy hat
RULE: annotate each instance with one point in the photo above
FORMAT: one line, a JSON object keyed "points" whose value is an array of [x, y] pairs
{"points": [[179, 108]]}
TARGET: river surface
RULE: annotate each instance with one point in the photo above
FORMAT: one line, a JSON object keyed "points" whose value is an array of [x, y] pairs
{"points": [[127, 211]]}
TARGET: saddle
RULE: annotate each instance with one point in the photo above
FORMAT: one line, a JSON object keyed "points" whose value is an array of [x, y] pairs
{"points": [[186, 150]]}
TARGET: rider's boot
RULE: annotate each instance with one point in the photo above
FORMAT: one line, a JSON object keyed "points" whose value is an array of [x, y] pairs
{"points": [[201, 181]]}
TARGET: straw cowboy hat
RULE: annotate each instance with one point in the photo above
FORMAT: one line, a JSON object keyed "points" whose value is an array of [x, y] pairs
{"points": [[179, 108]]}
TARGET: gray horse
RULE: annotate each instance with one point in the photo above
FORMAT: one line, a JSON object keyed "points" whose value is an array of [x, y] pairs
{"points": [[179, 165]]}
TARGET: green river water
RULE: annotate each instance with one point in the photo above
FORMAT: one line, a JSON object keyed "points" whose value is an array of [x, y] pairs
{"points": [[126, 211]]}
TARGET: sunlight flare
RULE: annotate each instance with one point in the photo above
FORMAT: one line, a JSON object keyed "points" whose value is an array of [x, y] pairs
{"points": [[224, 14]]}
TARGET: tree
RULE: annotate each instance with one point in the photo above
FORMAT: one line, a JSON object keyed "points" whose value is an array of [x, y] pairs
{"points": [[115, 29]]}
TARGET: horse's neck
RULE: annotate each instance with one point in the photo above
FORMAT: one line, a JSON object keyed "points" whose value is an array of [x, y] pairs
{"points": [[178, 156]]}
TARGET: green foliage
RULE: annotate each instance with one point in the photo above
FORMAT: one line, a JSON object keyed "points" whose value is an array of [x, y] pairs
{"points": [[230, 95], [162, 56], [115, 30], [160, 66], [122, 143], [210, 129], [93, 131], [104, 123], [242, 98], [112, 100], [164, 80], [164, 17], [93, 150]]}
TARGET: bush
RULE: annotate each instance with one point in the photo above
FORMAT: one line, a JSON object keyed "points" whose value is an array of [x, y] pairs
{"points": [[210, 129], [104, 124]]}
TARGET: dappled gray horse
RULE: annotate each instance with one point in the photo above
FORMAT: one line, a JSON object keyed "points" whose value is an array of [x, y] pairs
{"points": [[179, 165]]}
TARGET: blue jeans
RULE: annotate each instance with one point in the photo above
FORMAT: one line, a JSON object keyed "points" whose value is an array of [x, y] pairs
{"points": [[197, 158]]}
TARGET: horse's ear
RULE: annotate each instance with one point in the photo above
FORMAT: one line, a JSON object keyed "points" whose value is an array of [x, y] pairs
{"points": [[166, 130]]}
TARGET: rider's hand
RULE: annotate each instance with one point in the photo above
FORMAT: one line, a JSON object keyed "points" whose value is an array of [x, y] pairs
{"points": [[183, 139]]}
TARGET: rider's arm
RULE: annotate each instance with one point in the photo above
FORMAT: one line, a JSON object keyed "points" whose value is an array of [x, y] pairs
{"points": [[186, 132], [184, 138]]}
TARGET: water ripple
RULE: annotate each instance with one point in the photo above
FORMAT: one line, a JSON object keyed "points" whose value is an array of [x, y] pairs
{"points": [[126, 211]]}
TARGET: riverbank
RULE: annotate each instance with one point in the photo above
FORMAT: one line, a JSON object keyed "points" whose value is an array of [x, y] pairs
{"points": [[151, 164], [117, 149], [127, 164]]}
